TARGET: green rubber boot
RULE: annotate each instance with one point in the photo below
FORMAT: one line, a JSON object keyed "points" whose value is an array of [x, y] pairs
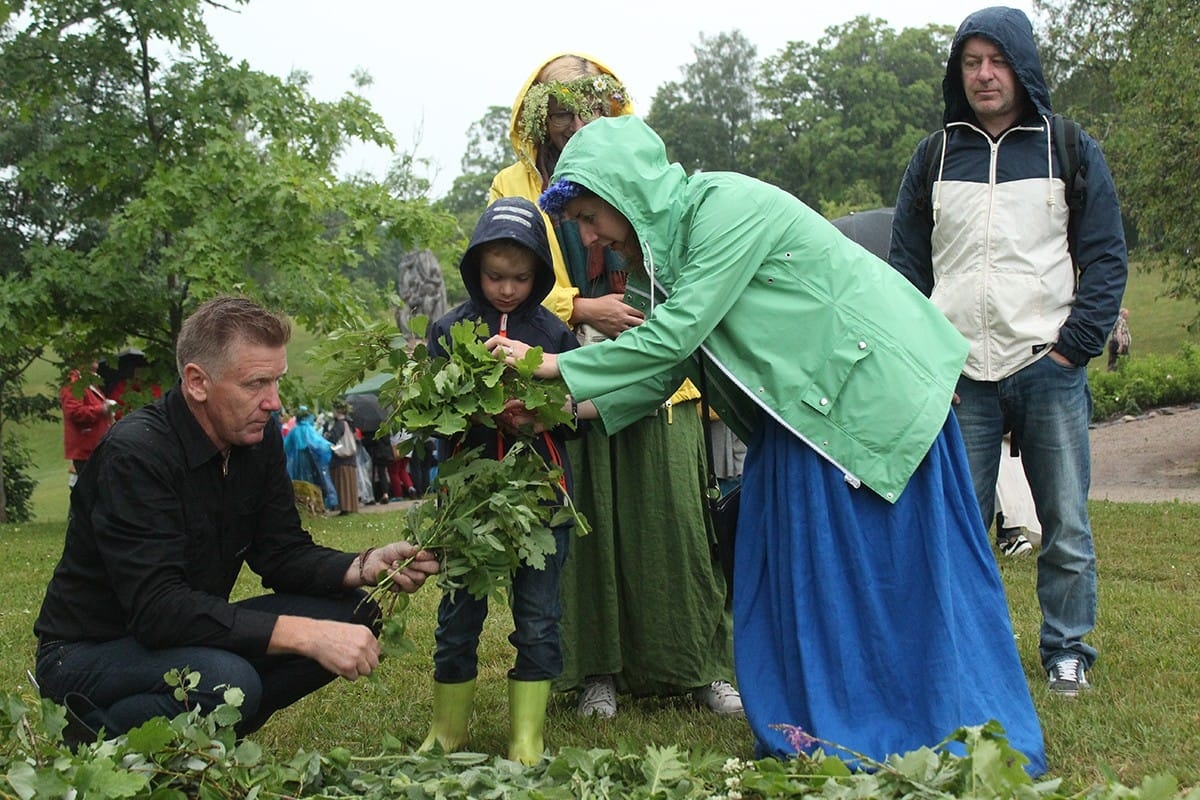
{"points": [[451, 713], [527, 714]]}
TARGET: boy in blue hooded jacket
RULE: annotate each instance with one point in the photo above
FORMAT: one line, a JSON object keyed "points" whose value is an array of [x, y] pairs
{"points": [[507, 270]]}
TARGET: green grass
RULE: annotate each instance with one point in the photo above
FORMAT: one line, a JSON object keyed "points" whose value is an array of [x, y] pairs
{"points": [[1140, 718], [1158, 323]]}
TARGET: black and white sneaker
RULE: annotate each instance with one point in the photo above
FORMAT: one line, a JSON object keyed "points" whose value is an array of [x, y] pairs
{"points": [[1068, 677], [1013, 546]]}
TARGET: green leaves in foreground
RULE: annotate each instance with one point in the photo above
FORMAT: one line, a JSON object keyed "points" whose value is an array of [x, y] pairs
{"points": [[198, 756]]}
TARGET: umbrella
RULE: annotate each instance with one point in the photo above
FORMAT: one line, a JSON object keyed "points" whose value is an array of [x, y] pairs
{"points": [[872, 229], [366, 411], [128, 361]]}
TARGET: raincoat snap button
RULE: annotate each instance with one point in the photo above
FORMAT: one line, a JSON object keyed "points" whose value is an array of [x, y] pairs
{"points": [[824, 401], [862, 345]]}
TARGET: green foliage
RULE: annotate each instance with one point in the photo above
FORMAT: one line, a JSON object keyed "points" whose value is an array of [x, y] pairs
{"points": [[488, 151], [490, 516], [1146, 382], [849, 110], [18, 485], [705, 120], [1158, 136], [199, 756], [163, 174]]}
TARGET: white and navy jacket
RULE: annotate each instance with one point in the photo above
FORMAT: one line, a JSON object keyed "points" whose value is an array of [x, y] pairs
{"points": [[988, 242]]}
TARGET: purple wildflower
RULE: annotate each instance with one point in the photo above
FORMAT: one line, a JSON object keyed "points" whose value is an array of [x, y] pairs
{"points": [[797, 737]]}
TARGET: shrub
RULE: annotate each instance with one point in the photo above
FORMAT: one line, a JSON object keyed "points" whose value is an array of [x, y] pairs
{"points": [[18, 485], [1147, 382]]}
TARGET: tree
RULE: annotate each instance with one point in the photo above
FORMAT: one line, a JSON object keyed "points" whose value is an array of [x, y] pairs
{"points": [[705, 119], [488, 151], [847, 112], [1122, 67], [1155, 144], [164, 174], [1081, 42]]}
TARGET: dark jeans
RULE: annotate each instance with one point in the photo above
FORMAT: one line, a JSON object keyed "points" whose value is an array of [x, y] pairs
{"points": [[535, 610], [118, 685]]}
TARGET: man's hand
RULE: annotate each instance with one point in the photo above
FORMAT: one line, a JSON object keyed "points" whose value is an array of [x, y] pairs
{"points": [[608, 314], [343, 648], [387, 559], [515, 419], [1060, 359]]}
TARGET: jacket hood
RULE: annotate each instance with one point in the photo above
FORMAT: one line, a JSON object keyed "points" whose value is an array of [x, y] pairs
{"points": [[1012, 32], [625, 163], [527, 151], [515, 219]]}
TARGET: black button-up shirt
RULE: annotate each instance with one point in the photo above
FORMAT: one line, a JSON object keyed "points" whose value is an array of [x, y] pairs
{"points": [[159, 528]]}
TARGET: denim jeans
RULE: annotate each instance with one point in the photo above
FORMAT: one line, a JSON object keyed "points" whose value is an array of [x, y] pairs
{"points": [[535, 610], [1048, 408], [118, 685]]}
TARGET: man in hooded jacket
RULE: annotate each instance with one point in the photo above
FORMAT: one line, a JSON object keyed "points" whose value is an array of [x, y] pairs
{"points": [[988, 243]]}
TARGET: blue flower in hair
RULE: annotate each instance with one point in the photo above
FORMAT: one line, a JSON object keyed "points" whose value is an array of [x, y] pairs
{"points": [[554, 200]]}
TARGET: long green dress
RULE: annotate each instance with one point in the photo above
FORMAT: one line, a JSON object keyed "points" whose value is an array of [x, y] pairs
{"points": [[643, 599]]}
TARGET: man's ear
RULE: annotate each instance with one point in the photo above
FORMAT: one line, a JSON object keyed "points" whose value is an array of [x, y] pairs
{"points": [[195, 383]]}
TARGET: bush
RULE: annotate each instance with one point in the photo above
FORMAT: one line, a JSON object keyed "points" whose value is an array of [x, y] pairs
{"points": [[1147, 382], [18, 485]]}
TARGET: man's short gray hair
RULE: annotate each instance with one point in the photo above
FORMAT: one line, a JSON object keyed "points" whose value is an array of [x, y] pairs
{"points": [[216, 326]]}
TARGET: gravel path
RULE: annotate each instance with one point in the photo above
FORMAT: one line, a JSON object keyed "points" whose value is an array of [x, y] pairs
{"points": [[1150, 458]]}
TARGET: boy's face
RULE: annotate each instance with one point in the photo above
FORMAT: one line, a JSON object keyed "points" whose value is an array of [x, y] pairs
{"points": [[506, 276]]}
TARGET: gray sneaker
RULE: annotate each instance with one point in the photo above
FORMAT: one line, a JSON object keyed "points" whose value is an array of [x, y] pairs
{"points": [[720, 698], [1068, 678], [598, 697]]}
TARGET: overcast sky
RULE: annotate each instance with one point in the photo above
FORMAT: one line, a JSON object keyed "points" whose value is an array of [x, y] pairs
{"points": [[439, 64]]}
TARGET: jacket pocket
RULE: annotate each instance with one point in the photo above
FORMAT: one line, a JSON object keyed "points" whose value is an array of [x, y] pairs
{"points": [[830, 378]]}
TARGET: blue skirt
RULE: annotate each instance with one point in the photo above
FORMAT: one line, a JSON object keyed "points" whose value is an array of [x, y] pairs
{"points": [[877, 627]]}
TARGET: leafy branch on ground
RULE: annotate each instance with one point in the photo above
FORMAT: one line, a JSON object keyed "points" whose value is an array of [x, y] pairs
{"points": [[200, 756]]}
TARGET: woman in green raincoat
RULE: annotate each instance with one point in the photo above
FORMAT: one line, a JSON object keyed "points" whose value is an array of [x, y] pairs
{"points": [[868, 608]]}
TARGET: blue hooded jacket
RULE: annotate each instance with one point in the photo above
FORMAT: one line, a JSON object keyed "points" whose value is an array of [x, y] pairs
{"points": [[991, 248], [518, 220]]}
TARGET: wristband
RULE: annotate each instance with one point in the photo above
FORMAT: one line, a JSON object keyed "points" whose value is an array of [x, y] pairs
{"points": [[362, 566]]}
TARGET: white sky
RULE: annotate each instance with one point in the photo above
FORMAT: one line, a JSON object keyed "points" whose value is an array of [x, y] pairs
{"points": [[439, 64]]}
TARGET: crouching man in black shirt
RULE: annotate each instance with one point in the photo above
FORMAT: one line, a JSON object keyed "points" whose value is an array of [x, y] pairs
{"points": [[174, 500]]}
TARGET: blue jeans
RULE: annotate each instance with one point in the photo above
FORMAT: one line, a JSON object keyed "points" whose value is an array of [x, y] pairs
{"points": [[1048, 408], [118, 685], [535, 610]]}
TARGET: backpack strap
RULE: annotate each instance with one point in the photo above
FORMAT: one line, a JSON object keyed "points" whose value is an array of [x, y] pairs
{"points": [[1068, 143], [932, 145]]}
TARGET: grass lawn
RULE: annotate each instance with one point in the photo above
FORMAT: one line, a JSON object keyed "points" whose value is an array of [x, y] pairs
{"points": [[1141, 718]]}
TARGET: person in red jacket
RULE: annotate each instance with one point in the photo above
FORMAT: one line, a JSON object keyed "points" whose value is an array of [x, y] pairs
{"points": [[87, 416]]}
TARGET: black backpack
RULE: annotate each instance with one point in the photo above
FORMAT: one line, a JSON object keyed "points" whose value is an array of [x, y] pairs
{"points": [[1068, 142]]}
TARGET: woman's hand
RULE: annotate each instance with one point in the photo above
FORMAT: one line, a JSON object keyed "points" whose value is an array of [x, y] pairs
{"points": [[609, 314], [513, 351]]}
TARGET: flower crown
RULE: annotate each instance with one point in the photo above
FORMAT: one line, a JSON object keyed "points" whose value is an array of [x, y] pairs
{"points": [[584, 96]]}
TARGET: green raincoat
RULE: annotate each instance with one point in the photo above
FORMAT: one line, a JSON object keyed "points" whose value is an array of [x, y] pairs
{"points": [[798, 321]]}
